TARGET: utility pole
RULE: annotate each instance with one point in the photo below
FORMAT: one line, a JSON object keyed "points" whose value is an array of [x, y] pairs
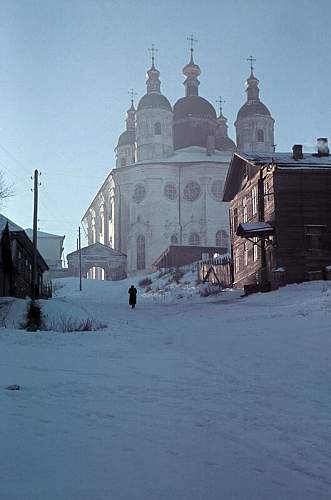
{"points": [[80, 259], [34, 284]]}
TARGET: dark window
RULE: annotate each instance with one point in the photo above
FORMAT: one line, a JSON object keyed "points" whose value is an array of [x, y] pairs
{"points": [[235, 219], [141, 252], [157, 128], [314, 238], [174, 239], [123, 162], [260, 135], [194, 239]]}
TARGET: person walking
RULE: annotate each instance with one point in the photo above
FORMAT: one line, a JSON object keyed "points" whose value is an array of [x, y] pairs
{"points": [[132, 296]]}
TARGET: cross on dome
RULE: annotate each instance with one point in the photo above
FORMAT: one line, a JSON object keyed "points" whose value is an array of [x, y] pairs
{"points": [[251, 60], [132, 94], [220, 101], [153, 51], [192, 40]]}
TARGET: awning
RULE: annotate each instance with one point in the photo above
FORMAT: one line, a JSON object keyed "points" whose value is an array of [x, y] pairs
{"points": [[255, 230]]}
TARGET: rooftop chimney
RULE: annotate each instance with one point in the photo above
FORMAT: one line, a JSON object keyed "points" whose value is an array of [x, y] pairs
{"points": [[297, 152], [322, 146]]}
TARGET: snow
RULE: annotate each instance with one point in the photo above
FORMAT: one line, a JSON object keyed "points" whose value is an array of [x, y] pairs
{"points": [[285, 160], [258, 227], [191, 154], [191, 398]]}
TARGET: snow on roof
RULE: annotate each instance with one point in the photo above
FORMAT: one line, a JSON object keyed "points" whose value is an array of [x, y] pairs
{"points": [[286, 159], [191, 154], [251, 228], [12, 226]]}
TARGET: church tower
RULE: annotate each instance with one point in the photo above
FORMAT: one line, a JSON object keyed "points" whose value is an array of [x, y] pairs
{"points": [[126, 148], [222, 140], [154, 120], [194, 117], [254, 124]]}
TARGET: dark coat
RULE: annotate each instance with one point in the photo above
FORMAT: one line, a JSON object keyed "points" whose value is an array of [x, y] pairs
{"points": [[133, 295]]}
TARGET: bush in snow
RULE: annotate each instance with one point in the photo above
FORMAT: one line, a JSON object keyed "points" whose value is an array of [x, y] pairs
{"points": [[176, 276], [67, 324], [145, 282], [34, 317]]}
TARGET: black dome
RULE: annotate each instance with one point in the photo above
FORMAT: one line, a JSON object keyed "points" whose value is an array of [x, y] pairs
{"points": [[154, 100], [253, 108], [225, 144], [195, 106], [127, 137]]}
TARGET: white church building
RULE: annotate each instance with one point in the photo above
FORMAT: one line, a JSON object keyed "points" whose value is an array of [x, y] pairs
{"points": [[171, 164]]}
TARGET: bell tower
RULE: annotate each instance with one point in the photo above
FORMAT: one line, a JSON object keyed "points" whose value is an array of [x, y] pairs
{"points": [[254, 124]]}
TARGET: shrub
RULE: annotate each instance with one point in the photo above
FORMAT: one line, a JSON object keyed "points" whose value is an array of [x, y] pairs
{"points": [[145, 282], [177, 275], [68, 324], [34, 317]]}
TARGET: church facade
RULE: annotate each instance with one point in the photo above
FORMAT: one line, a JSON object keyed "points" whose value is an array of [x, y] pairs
{"points": [[171, 165]]}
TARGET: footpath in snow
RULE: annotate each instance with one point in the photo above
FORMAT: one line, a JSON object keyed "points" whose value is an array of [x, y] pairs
{"points": [[184, 398]]}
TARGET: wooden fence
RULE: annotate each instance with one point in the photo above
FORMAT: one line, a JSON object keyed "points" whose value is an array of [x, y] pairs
{"points": [[217, 271]]}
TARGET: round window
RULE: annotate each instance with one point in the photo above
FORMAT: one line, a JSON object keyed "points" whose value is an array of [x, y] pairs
{"points": [[139, 193], [192, 191], [170, 191], [217, 190]]}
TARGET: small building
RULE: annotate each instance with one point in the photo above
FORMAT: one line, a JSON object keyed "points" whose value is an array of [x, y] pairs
{"points": [[280, 216], [98, 261], [51, 248], [16, 255]]}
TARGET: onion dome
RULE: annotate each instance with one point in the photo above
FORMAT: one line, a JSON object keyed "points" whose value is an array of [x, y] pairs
{"points": [[129, 135], [153, 98], [194, 116], [126, 137], [253, 105], [222, 141]]}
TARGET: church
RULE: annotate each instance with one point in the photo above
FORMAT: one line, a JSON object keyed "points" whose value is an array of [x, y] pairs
{"points": [[171, 164]]}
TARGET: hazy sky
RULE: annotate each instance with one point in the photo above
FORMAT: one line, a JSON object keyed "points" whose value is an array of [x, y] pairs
{"points": [[66, 67]]}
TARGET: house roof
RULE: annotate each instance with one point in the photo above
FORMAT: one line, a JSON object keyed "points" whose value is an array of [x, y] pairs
{"points": [[11, 225], [286, 159], [42, 234], [97, 245], [240, 167], [248, 164], [22, 236]]}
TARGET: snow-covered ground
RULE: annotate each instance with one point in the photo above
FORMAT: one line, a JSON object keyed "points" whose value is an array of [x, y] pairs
{"points": [[184, 398]]}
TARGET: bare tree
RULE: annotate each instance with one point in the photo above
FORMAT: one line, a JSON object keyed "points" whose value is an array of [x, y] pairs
{"points": [[6, 190]]}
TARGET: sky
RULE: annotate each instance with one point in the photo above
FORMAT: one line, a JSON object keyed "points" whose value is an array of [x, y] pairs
{"points": [[66, 67]]}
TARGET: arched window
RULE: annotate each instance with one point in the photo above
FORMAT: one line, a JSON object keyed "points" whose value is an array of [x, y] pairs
{"points": [[174, 239], [123, 162], [157, 128], [194, 239], [260, 135], [217, 190], [222, 239], [141, 252], [170, 191]]}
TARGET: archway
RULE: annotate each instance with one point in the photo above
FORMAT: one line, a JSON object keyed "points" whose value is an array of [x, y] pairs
{"points": [[96, 273]]}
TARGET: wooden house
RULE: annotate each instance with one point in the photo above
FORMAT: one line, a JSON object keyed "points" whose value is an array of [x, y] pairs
{"points": [[16, 255], [280, 216]]}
